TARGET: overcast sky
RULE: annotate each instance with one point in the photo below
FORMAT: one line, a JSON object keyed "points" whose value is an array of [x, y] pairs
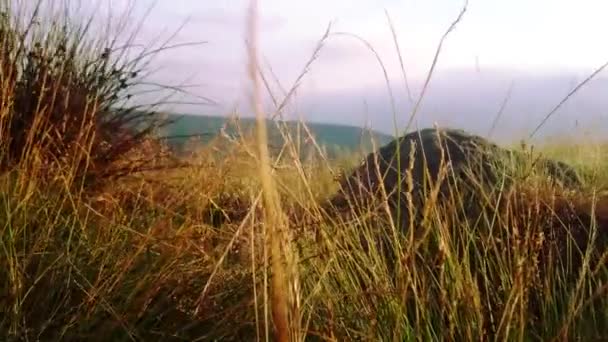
{"points": [[540, 48]]}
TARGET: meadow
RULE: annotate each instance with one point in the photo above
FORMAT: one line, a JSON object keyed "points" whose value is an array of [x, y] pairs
{"points": [[107, 234]]}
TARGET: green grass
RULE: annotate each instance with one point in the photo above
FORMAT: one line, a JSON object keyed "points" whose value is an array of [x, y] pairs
{"points": [[182, 254]]}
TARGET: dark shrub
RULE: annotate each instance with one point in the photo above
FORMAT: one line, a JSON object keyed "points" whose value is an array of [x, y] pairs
{"points": [[67, 99]]}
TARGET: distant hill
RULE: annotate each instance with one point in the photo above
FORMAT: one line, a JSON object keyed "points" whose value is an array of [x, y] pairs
{"points": [[334, 138]]}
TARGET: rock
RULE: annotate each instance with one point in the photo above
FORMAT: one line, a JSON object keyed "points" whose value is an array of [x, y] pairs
{"points": [[542, 228], [470, 162]]}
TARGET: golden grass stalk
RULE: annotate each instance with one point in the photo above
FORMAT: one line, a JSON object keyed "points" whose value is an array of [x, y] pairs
{"points": [[274, 219]]}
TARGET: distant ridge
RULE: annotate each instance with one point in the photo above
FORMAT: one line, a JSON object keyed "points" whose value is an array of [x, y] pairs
{"points": [[333, 137]]}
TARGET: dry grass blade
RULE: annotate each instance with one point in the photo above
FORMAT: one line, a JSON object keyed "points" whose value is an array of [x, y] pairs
{"points": [[400, 55], [273, 214], [304, 71], [387, 81], [434, 63], [501, 110], [567, 97]]}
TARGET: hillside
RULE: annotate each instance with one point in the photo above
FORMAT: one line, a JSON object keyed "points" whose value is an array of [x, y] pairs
{"points": [[333, 138]]}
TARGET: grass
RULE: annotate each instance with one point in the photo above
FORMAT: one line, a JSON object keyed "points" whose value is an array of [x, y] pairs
{"points": [[238, 245]]}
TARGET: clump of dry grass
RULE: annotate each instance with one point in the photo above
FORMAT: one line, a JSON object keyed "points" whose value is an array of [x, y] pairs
{"points": [[69, 97]]}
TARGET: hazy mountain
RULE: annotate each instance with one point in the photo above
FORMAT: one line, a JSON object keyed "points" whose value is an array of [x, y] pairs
{"points": [[333, 137], [460, 99]]}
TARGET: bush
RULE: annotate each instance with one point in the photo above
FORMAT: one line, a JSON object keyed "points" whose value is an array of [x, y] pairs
{"points": [[68, 98]]}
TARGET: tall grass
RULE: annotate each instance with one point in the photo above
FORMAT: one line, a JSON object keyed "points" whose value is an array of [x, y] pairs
{"points": [[275, 225], [241, 245]]}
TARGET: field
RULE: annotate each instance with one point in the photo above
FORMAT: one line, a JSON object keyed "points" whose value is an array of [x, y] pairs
{"points": [[107, 234]]}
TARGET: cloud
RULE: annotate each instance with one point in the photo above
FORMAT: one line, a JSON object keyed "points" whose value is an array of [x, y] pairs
{"points": [[459, 99]]}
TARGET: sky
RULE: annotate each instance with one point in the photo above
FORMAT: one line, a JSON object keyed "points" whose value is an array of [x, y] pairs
{"points": [[531, 53]]}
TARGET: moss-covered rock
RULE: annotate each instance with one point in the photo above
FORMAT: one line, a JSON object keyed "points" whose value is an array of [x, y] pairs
{"points": [[449, 161], [505, 214]]}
